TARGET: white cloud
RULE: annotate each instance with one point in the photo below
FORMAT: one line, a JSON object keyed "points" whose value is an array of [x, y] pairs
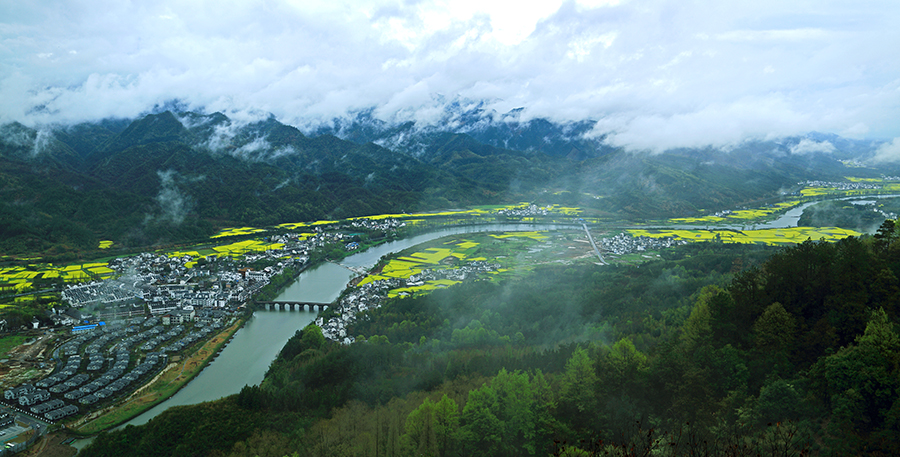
{"points": [[888, 152], [175, 205], [807, 146], [663, 73], [713, 125]]}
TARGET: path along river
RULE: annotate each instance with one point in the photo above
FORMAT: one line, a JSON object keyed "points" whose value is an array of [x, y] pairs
{"points": [[246, 358]]}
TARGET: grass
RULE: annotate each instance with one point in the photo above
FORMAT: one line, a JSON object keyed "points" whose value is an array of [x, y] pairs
{"points": [[24, 278], [7, 343], [236, 249], [173, 378], [854, 179], [427, 287]]}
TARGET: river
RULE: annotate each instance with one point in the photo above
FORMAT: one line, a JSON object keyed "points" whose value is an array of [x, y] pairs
{"points": [[246, 358], [788, 219]]}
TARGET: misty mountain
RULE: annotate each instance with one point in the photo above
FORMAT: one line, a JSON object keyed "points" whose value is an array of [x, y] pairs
{"points": [[505, 131], [180, 176], [169, 176], [591, 173]]}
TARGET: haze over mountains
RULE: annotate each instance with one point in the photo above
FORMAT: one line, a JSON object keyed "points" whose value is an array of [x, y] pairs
{"points": [[170, 176]]}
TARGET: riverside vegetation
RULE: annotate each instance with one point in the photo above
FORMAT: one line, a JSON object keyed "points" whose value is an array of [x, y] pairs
{"points": [[713, 349]]}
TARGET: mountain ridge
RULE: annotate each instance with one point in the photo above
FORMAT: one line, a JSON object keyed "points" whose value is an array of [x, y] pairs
{"points": [[183, 174]]}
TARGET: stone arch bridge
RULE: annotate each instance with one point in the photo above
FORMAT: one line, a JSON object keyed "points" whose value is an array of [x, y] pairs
{"points": [[292, 305]]}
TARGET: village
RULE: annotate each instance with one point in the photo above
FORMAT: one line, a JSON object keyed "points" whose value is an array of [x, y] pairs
{"points": [[623, 243], [373, 294], [121, 332], [125, 330]]}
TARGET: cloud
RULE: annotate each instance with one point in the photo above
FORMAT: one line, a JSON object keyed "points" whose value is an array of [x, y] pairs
{"points": [[888, 152], [636, 66], [807, 146], [713, 125], [175, 205]]}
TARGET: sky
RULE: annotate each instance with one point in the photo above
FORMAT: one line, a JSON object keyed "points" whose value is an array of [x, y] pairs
{"points": [[653, 74]]}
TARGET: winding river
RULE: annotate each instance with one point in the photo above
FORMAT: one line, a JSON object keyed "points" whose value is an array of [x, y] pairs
{"points": [[246, 358]]}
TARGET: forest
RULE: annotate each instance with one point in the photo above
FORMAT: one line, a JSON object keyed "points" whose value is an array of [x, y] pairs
{"points": [[715, 349]]}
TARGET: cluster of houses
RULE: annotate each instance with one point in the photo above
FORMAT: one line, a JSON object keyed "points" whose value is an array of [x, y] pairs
{"points": [[872, 206], [116, 347], [372, 295], [624, 243], [470, 270], [384, 225], [70, 383], [167, 288], [528, 211], [27, 395], [841, 185], [156, 305], [6, 420], [368, 296]]}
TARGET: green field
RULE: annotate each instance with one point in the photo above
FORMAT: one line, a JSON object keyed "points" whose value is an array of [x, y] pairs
{"points": [[7, 343], [448, 253]]}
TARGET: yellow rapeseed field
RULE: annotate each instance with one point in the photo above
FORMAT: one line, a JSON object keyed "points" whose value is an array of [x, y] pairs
{"points": [[772, 237]]}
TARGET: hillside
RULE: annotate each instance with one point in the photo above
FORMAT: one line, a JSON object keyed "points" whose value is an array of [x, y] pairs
{"points": [[173, 177]]}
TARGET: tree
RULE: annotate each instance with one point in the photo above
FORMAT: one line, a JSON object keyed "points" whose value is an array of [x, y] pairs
{"points": [[860, 382], [696, 329], [886, 235], [577, 392], [779, 400], [514, 409], [482, 430], [446, 425], [313, 337], [432, 428], [420, 438], [774, 330], [625, 361]]}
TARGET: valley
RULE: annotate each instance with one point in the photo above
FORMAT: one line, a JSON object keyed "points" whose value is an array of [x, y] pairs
{"points": [[206, 232], [401, 275], [572, 228]]}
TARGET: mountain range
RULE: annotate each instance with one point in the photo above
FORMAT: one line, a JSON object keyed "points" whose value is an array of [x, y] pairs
{"points": [[178, 176]]}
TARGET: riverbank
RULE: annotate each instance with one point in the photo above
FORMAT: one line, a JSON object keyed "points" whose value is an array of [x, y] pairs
{"points": [[165, 384]]}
